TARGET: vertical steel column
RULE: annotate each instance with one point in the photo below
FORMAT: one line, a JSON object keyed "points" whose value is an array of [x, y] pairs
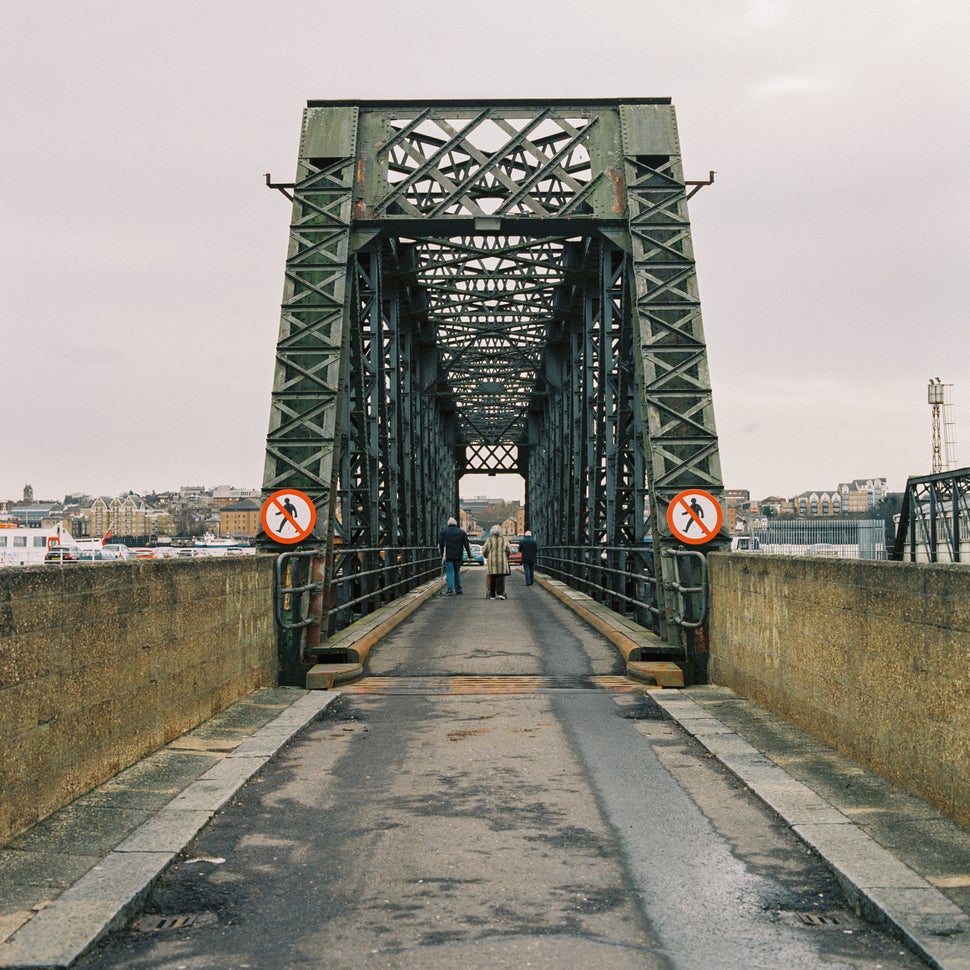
{"points": [[359, 459], [672, 373], [390, 428], [588, 361], [611, 322], [302, 445]]}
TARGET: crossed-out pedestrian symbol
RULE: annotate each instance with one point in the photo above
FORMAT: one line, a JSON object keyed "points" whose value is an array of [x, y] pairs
{"points": [[288, 516], [694, 517]]}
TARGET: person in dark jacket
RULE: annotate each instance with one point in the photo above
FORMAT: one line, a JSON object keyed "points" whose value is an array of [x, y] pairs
{"points": [[530, 550], [453, 543]]}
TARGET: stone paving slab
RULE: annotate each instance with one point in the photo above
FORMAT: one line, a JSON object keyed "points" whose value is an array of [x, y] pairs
{"points": [[169, 831], [72, 877], [61, 932], [856, 820], [218, 785]]}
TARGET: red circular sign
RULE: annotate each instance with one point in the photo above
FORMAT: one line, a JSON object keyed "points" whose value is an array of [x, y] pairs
{"points": [[288, 516], [694, 516]]}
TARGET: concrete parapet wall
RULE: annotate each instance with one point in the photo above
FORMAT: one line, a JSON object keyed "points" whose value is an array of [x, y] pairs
{"points": [[871, 657], [102, 663]]}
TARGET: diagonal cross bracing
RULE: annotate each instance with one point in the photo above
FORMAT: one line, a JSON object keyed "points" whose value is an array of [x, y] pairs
{"points": [[491, 287]]}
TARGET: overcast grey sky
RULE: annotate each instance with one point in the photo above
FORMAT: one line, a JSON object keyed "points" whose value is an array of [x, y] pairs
{"points": [[142, 256]]}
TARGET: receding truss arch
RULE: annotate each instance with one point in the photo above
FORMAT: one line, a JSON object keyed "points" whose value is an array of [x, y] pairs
{"points": [[491, 287]]}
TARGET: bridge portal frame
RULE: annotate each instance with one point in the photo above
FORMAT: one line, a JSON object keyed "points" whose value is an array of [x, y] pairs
{"points": [[431, 240]]}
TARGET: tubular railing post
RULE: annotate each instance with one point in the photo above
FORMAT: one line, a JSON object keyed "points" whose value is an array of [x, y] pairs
{"points": [[317, 608], [287, 643]]}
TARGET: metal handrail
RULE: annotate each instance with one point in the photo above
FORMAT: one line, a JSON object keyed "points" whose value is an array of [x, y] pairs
{"points": [[683, 591], [596, 571], [284, 592], [356, 585], [364, 578]]}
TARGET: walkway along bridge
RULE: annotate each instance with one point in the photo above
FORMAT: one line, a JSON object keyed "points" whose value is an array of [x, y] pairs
{"points": [[491, 287]]}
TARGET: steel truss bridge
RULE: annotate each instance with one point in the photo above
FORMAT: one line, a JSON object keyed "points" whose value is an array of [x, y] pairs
{"points": [[494, 287], [934, 521]]}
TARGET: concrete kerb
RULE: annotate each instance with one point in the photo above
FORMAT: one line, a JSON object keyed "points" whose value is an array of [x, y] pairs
{"points": [[604, 620], [102, 899], [359, 638], [878, 884]]}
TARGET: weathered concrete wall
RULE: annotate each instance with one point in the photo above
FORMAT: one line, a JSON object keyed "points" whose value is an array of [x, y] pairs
{"points": [[102, 663], [872, 657]]}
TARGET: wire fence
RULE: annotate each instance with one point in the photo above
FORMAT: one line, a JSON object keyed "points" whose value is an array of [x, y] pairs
{"points": [[833, 538]]}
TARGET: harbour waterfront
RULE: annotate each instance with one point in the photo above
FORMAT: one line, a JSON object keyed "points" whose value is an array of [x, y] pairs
{"points": [[38, 546]]}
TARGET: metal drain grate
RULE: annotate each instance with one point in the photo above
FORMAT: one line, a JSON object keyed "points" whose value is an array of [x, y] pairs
{"points": [[822, 919], [154, 923], [490, 685]]}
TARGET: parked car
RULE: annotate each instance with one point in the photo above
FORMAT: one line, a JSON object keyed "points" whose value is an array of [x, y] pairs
{"points": [[476, 558], [514, 556], [115, 550], [62, 554]]}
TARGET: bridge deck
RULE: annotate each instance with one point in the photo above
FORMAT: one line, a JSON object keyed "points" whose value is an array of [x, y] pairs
{"points": [[494, 791]]}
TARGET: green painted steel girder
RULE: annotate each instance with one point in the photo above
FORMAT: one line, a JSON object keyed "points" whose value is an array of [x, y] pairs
{"points": [[491, 287]]}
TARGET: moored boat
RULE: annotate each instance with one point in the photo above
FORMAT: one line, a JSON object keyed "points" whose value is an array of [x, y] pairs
{"points": [[210, 541], [21, 546]]}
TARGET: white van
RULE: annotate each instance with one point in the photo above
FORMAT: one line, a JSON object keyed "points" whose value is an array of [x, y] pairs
{"points": [[745, 544]]}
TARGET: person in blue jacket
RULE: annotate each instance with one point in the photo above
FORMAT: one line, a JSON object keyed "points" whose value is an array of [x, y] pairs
{"points": [[530, 550], [453, 543]]}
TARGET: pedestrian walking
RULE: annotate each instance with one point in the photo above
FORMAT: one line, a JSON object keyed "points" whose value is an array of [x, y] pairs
{"points": [[530, 551], [496, 552], [453, 543]]}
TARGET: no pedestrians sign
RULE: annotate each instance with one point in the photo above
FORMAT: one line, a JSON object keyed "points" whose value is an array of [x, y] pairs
{"points": [[694, 516], [288, 516]]}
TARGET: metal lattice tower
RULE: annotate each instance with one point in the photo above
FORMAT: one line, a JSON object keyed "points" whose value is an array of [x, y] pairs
{"points": [[939, 396], [491, 287]]}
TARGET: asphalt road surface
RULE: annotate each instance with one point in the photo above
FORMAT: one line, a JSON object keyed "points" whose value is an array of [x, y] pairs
{"points": [[492, 795]]}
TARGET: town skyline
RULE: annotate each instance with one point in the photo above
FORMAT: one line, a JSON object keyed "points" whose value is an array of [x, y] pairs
{"points": [[7, 502], [142, 296]]}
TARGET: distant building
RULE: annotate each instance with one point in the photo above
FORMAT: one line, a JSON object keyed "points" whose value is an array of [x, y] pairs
{"points": [[775, 505], [476, 505], [240, 518], [862, 494], [737, 501], [195, 495], [31, 516], [127, 516], [859, 495], [469, 523], [223, 495], [818, 503]]}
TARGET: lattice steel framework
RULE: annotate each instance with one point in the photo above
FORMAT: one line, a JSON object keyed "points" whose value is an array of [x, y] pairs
{"points": [[934, 521], [491, 287]]}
